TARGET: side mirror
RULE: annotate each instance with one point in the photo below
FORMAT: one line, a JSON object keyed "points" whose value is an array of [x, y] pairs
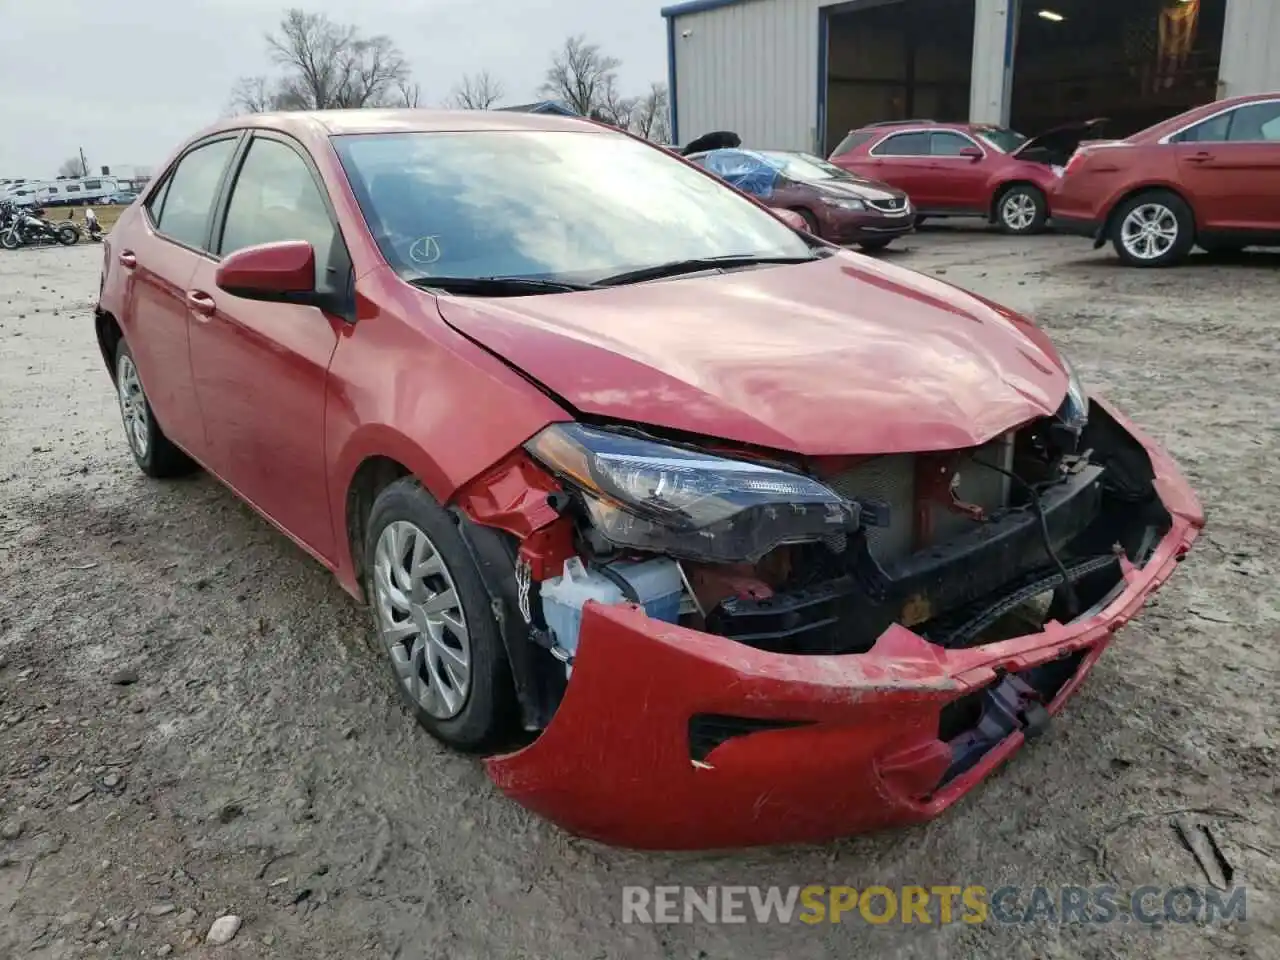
{"points": [[973, 153], [793, 220], [283, 272]]}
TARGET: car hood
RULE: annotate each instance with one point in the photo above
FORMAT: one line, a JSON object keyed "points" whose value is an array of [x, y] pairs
{"points": [[857, 188], [845, 355], [1062, 139]]}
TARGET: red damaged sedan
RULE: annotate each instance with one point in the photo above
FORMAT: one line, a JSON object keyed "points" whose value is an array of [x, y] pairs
{"points": [[708, 532]]}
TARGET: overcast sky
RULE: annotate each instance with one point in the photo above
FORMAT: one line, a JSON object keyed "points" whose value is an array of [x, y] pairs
{"points": [[127, 80]]}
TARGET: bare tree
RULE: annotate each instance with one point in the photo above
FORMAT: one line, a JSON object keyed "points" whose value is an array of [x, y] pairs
{"points": [[580, 75], [73, 167], [475, 92], [651, 117], [408, 94], [253, 95], [614, 108], [326, 65]]}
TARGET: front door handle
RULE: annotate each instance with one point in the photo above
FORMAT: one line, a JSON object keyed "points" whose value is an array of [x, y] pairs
{"points": [[128, 260], [201, 303], [1201, 157]]}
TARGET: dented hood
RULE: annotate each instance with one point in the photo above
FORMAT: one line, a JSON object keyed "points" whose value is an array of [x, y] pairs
{"points": [[845, 355]]}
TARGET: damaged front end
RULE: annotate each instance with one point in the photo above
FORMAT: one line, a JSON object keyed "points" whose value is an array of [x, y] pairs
{"points": [[721, 647]]}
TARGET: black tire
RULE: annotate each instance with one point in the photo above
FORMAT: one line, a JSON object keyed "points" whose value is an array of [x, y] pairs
{"points": [[10, 240], [1182, 216], [871, 246], [486, 716], [68, 235], [160, 458], [1022, 210], [810, 221]]}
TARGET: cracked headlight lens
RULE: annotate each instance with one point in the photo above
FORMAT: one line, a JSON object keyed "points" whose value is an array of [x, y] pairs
{"points": [[1074, 411]]}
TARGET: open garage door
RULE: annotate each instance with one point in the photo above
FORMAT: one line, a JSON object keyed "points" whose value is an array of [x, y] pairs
{"points": [[894, 60], [1135, 62]]}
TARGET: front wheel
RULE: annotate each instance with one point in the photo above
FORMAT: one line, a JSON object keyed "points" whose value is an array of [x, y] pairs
{"points": [[1022, 210], [1154, 229], [10, 240], [434, 618], [871, 246]]}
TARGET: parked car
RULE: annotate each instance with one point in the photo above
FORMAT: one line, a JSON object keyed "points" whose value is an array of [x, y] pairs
{"points": [[124, 197], [1207, 177], [966, 169], [755, 539], [834, 204]]}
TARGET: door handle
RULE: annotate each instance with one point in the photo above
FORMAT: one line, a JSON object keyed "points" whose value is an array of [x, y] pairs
{"points": [[128, 260], [1201, 157], [201, 303]]}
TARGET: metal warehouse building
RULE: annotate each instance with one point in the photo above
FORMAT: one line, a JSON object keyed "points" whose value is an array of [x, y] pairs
{"points": [[799, 74]]}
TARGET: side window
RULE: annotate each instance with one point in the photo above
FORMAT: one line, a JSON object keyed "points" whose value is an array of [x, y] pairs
{"points": [[190, 193], [73, 188], [276, 198], [852, 142], [947, 144], [93, 184], [156, 203], [903, 145], [1257, 121], [1213, 130]]}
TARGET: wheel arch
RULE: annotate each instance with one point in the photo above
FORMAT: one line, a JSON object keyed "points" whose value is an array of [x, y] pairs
{"points": [[1004, 186], [109, 336], [373, 475]]}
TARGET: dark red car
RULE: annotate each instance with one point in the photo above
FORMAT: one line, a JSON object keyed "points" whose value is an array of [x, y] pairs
{"points": [[966, 169], [719, 534], [835, 205], [1208, 177]]}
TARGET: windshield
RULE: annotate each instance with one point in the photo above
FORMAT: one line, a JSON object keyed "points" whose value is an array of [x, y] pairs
{"points": [[804, 167], [1002, 138], [548, 205]]}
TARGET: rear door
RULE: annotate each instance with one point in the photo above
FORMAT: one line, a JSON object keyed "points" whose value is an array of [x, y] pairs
{"points": [[260, 368], [159, 260], [902, 160], [958, 183], [1229, 166]]}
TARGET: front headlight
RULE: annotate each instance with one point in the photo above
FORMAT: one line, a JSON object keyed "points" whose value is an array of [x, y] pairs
{"points": [[1074, 411], [650, 496], [848, 203]]}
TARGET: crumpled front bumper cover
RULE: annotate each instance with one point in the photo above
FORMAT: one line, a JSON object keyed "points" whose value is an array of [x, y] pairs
{"points": [[861, 747]]}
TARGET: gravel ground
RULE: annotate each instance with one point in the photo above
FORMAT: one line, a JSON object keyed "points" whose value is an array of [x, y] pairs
{"points": [[191, 724]]}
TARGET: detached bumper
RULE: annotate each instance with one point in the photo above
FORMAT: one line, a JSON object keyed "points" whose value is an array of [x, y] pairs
{"points": [[669, 738]]}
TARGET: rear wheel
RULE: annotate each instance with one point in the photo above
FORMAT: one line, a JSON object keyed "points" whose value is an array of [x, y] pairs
{"points": [[154, 453], [435, 620], [1022, 210], [68, 235], [1153, 229], [879, 243]]}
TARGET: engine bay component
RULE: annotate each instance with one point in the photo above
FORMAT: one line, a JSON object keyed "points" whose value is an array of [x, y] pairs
{"points": [[680, 502]]}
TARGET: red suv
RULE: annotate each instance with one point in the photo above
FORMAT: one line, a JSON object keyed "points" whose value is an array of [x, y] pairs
{"points": [[1207, 177], [966, 169]]}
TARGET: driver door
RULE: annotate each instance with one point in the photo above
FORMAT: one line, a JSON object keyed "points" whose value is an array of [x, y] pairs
{"points": [[260, 369]]}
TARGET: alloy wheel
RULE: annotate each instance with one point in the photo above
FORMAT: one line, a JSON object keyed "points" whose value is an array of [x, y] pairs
{"points": [[421, 621], [133, 406], [1018, 211], [1149, 231]]}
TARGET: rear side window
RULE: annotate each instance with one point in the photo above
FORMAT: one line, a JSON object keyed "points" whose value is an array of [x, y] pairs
{"points": [[187, 201], [1213, 130], [1257, 121], [904, 145], [850, 143]]}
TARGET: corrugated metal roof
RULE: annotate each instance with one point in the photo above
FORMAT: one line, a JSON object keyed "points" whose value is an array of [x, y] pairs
{"points": [[696, 6]]}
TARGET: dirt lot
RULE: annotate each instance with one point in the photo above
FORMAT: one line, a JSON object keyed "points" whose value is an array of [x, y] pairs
{"points": [[191, 724]]}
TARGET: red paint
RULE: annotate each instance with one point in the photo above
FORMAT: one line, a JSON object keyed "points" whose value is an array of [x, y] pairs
{"points": [[957, 184], [1232, 186], [272, 268], [614, 764]]}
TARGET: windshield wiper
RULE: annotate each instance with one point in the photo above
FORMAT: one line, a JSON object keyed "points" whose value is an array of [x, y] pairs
{"points": [[677, 267], [497, 286]]}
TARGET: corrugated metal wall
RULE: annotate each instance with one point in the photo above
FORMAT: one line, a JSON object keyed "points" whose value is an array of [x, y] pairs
{"points": [[752, 68], [1250, 42]]}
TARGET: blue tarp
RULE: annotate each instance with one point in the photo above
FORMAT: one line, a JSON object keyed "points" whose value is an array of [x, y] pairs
{"points": [[750, 172]]}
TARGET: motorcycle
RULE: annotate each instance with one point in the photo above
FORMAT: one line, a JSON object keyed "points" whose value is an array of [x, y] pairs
{"points": [[20, 228]]}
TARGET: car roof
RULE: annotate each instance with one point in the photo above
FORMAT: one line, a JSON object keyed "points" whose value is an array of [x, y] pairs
{"points": [[890, 125], [339, 122]]}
